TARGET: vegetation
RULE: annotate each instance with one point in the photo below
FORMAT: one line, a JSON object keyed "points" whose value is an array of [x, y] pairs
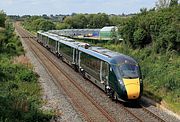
{"points": [[160, 29], [36, 23], [19, 91], [80, 21], [166, 3]]}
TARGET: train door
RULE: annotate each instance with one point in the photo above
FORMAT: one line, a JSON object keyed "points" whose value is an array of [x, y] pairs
{"points": [[74, 56], [104, 72], [56, 47], [77, 56]]}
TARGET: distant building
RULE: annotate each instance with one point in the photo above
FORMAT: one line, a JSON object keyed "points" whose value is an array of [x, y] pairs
{"points": [[106, 32], [77, 32]]}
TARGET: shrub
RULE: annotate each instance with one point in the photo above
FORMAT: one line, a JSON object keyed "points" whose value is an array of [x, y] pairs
{"points": [[27, 76]]}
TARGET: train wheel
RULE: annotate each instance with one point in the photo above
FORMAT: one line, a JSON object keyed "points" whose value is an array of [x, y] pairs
{"points": [[114, 96], [83, 73], [75, 67], [110, 93]]}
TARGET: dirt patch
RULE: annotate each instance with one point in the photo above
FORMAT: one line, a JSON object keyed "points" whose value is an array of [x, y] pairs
{"points": [[22, 59]]}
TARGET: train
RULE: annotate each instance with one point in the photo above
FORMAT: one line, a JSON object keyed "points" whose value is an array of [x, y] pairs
{"points": [[118, 75]]}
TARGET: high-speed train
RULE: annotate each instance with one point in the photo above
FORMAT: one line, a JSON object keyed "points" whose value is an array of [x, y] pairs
{"points": [[117, 74]]}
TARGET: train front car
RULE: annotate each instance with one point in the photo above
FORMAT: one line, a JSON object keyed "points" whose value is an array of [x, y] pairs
{"points": [[126, 78]]}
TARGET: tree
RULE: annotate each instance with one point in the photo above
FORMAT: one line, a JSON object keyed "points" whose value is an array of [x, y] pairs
{"points": [[114, 35], [98, 20], [2, 38], [117, 20], [68, 20], [76, 21], [101, 20], [79, 21], [60, 26], [162, 4], [35, 24], [143, 10], [2, 29], [159, 29], [46, 25], [139, 37], [2, 18], [173, 3]]}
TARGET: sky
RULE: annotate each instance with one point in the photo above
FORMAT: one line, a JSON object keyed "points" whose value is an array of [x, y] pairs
{"points": [[39, 7]]}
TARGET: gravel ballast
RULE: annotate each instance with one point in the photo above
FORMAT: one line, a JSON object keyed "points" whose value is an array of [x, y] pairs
{"points": [[54, 97]]}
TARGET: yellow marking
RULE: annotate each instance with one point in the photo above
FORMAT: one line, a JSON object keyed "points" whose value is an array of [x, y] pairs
{"points": [[132, 87]]}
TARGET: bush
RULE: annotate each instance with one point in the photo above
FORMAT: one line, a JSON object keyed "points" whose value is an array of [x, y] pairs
{"points": [[139, 37], [27, 76], [159, 28], [38, 23]]}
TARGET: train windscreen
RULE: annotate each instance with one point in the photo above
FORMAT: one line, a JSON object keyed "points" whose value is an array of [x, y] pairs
{"points": [[128, 71]]}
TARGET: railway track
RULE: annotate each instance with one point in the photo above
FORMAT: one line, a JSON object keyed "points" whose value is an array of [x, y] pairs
{"points": [[103, 114], [151, 113], [90, 109]]}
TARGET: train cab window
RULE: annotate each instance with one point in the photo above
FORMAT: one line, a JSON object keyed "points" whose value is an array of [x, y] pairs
{"points": [[129, 70]]}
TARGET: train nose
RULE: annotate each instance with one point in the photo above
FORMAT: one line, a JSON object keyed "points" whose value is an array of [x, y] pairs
{"points": [[132, 87]]}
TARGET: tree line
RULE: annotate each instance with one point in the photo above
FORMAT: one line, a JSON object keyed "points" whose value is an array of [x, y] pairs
{"points": [[75, 21], [35, 23], [81, 21], [157, 28]]}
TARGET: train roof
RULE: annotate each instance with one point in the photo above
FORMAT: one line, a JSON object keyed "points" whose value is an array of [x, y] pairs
{"points": [[74, 30], [108, 55], [64, 40], [99, 52]]}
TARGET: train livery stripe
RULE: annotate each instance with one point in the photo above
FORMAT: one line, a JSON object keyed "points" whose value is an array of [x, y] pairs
{"points": [[132, 87]]}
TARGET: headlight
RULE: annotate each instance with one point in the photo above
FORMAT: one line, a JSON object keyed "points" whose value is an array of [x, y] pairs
{"points": [[120, 81]]}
